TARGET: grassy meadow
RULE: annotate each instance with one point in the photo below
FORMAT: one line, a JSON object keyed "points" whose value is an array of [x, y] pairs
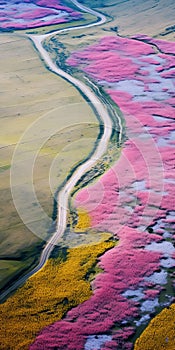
{"points": [[29, 92]]}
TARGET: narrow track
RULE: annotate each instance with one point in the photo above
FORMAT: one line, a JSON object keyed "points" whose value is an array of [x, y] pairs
{"points": [[102, 112]]}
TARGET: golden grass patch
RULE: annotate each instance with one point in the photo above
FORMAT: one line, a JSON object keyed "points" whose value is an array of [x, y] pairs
{"points": [[84, 221], [160, 333], [48, 295]]}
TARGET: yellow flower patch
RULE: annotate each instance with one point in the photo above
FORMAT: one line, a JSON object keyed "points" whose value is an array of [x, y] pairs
{"points": [[84, 221], [47, 296], [160, 333]]}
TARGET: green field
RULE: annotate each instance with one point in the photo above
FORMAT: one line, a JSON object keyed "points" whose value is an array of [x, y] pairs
{"points": [[30, 92]]}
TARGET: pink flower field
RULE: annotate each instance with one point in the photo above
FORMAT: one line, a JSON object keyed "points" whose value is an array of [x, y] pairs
{"points": [[35, 13], [134, 200]]}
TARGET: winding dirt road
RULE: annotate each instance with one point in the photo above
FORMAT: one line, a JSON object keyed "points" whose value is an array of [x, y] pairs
{"points": [[102, 112]]}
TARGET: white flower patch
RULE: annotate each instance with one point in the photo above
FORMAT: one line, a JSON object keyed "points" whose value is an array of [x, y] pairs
{"points": [[149, 305], [96, 341], [136, 295], [157, 278], [162, 247]]}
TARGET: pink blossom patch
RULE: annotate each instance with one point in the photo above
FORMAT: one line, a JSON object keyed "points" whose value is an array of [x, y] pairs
{"points": [[134, 200], [31, 14]]}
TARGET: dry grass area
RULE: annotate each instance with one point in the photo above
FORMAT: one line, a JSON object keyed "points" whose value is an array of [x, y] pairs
{"points": [[134, 16], [150, 17], [128, 17], [29, 92], [58, 156]]}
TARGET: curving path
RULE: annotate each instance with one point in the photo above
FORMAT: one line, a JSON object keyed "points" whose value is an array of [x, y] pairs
{"points": [[102, 112]]}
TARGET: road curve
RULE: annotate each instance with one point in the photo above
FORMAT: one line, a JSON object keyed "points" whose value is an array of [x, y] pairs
{"points": [[101, 148], [101, 19]]}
